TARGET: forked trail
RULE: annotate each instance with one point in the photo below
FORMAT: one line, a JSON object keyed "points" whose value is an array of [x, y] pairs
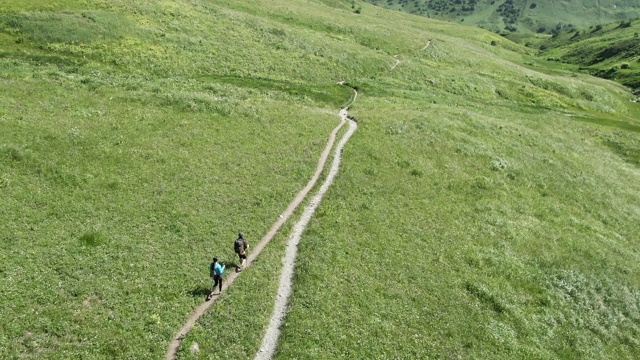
{"points": [[175, 343], [270, 340]]}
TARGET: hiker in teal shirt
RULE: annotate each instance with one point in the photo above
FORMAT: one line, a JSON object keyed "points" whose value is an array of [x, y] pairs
{"points": [[215, 271]]}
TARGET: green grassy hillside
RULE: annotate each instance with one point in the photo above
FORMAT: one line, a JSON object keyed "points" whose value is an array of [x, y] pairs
{"points": [[542, 16], [487, 206], [611, 51]]}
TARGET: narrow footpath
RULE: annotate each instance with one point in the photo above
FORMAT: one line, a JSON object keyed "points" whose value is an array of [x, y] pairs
{"points": [[177, 339]]}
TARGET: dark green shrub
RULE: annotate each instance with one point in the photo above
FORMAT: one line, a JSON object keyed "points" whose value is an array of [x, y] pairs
{"points": [[92, 238], [624, 24]]}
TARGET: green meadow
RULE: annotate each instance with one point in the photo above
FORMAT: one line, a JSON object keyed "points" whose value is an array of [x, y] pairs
{"points": [[487, 206]]}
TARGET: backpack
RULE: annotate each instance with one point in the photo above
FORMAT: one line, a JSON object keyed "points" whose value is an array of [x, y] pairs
{"points": [[238, 246]]}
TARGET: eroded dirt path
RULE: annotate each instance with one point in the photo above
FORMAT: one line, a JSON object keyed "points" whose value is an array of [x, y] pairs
{"points": [[395, 64], [270, 340], [256, 250]]}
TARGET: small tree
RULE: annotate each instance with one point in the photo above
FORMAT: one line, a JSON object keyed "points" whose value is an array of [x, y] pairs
{"points": [[511, 28], [624, 24]]}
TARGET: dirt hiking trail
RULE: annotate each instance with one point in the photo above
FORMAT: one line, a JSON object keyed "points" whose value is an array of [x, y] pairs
{"points": [[188, 325], [270, 340], [396, 63]]}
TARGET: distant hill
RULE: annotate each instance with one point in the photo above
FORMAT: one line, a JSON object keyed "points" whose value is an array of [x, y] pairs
{"points": [[542, 16], [611, 51]]}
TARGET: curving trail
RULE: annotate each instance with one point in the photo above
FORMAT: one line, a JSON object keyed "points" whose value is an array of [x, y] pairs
{"points": [[177, 339], [270, 340]]}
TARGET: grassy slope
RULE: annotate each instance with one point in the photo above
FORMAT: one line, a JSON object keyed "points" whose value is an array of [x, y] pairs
{"points": [[149, 143], [475, 215], [478, 234], [611, 52], [531, 14]]}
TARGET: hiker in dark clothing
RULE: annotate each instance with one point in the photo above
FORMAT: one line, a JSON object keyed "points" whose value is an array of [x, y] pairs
{"points": [[215, 271], [240, 246]]}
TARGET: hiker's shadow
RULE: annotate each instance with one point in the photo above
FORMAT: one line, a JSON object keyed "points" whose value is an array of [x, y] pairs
{"points": [[230, 266], [200, 291]]}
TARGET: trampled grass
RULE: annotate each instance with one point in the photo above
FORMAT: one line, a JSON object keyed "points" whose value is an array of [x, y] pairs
{"points": [[476, 214]]}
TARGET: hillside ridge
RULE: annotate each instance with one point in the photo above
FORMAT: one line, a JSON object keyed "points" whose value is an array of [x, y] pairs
{"points": [[541, 16]]}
